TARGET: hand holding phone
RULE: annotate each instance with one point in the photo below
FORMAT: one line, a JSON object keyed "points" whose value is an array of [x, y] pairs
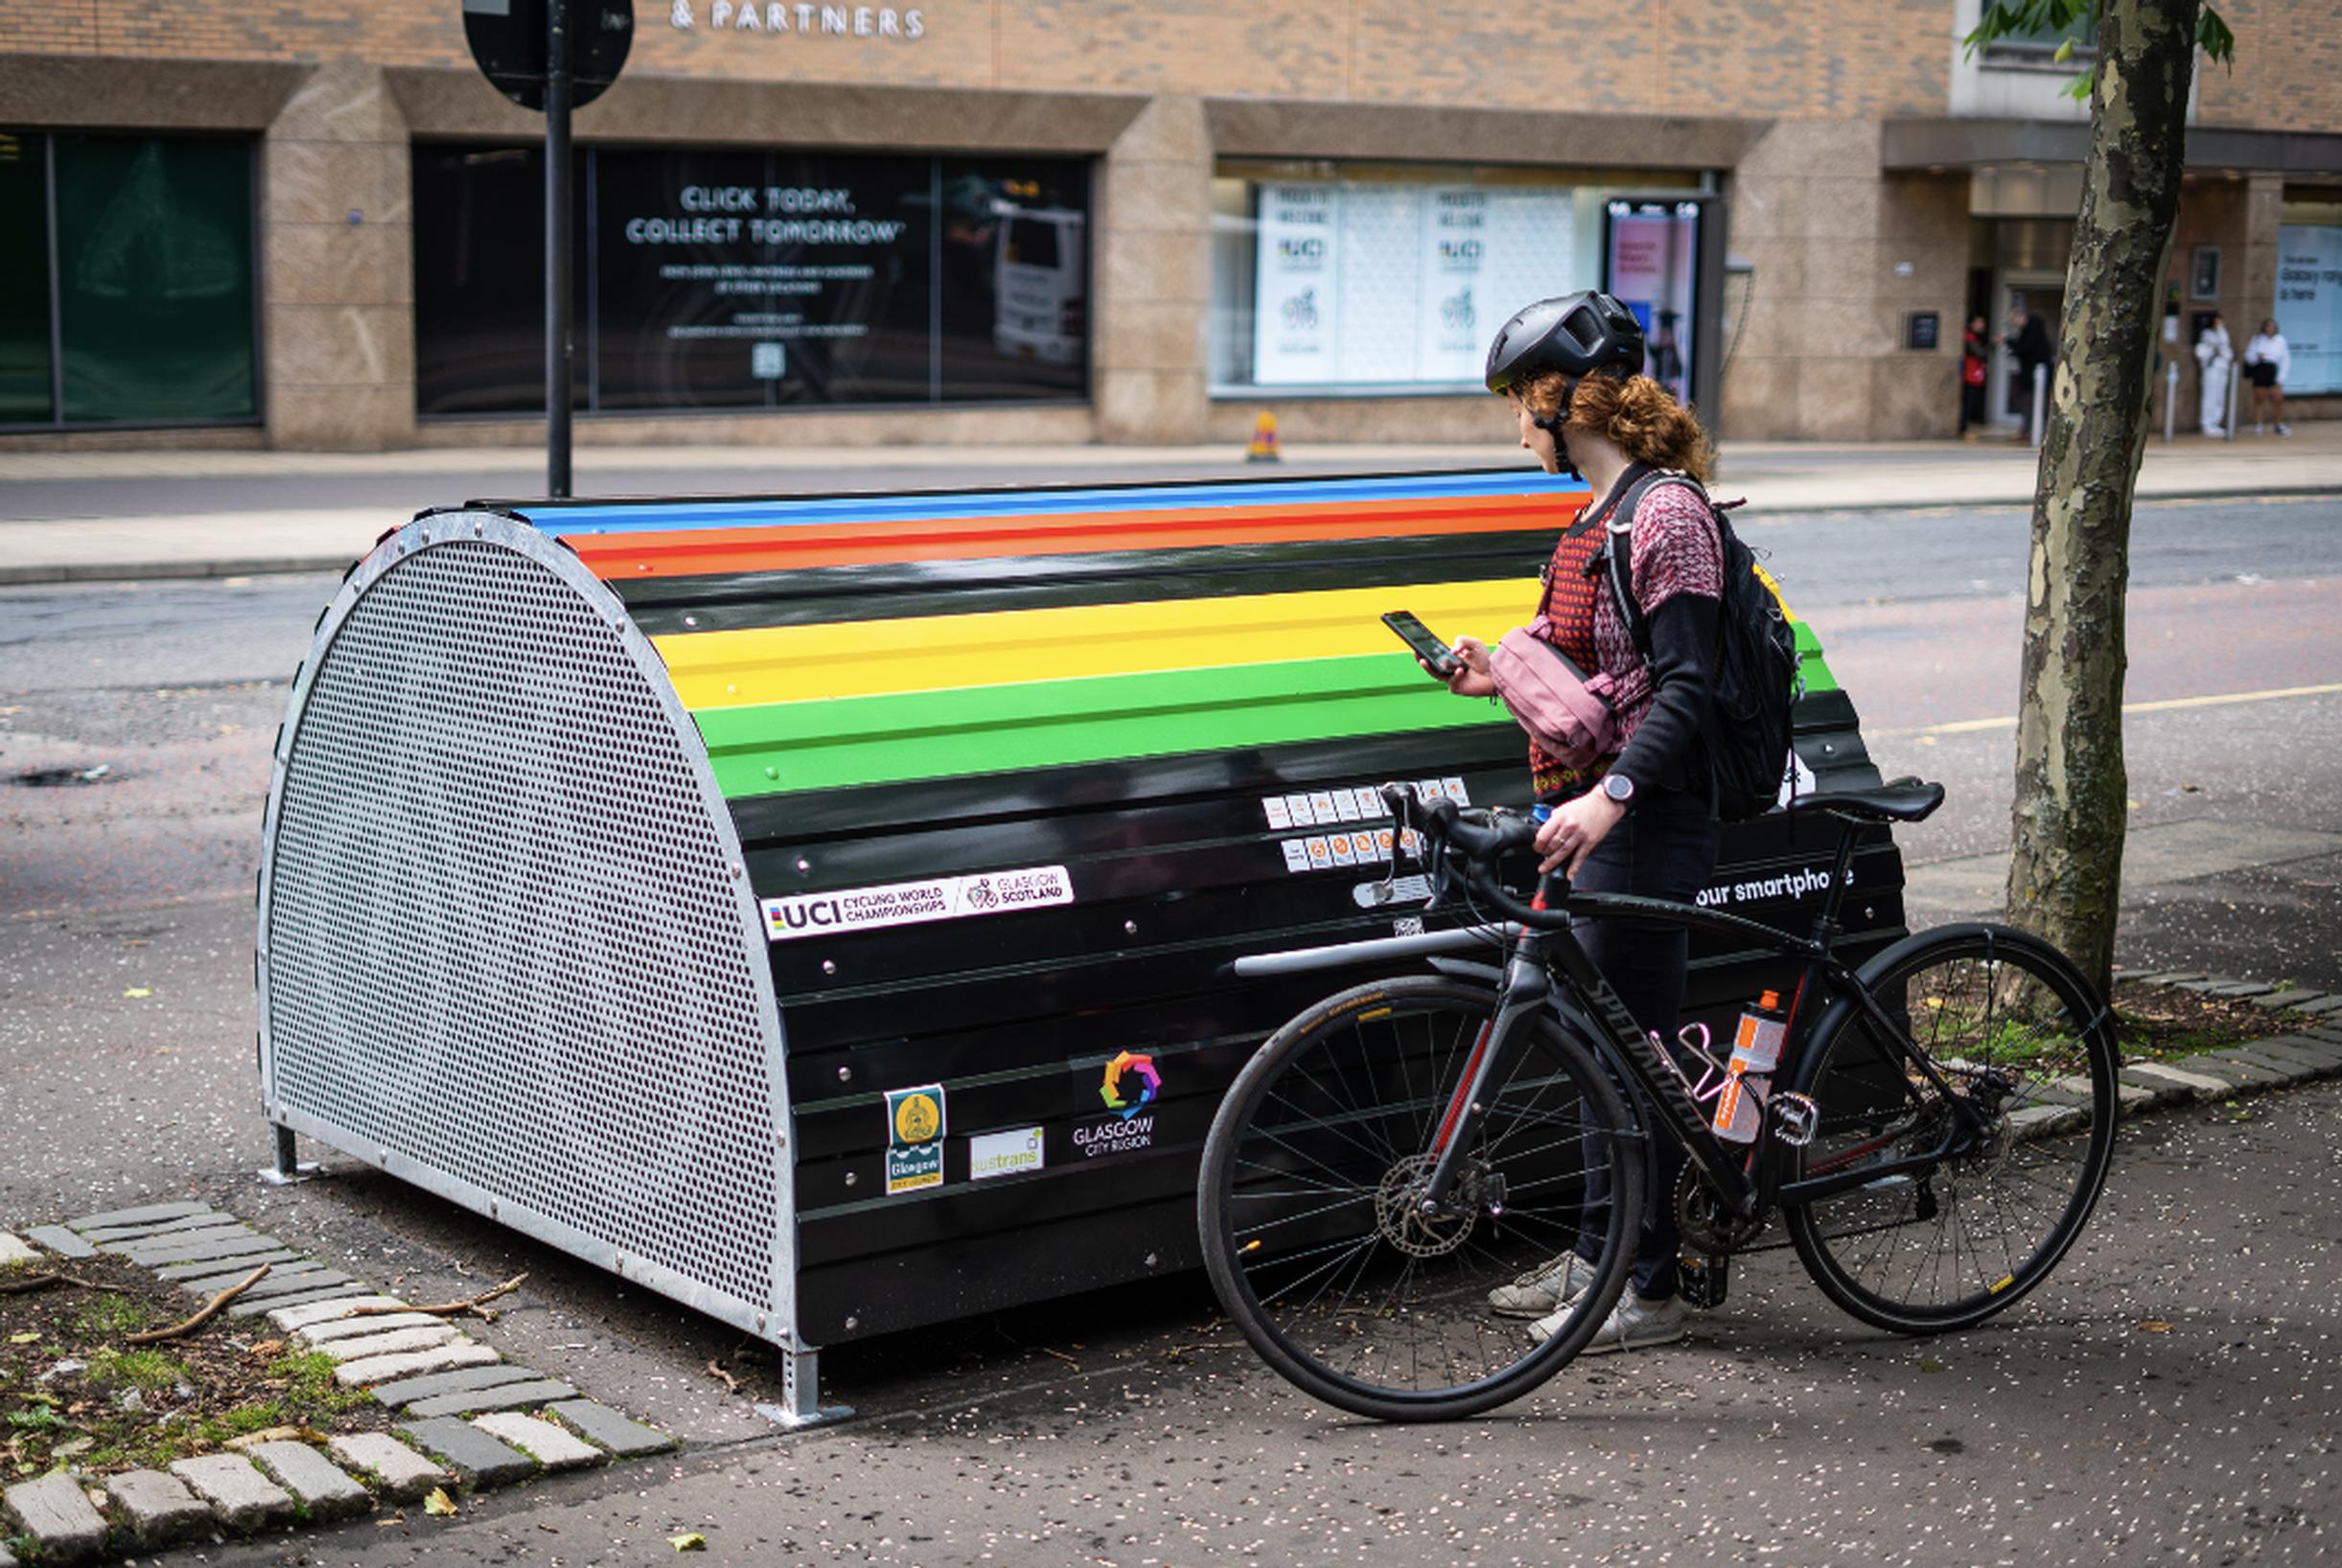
{"points": [[1437, 655]]}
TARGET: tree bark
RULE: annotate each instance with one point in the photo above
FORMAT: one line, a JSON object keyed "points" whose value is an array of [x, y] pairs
{"points": [[2065, 865]]}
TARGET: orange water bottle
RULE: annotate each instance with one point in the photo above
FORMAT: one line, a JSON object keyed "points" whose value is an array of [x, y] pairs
{"points": [[1757, 1051]]}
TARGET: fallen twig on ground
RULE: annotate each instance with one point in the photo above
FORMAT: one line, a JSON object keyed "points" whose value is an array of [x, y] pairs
{"points": [[211, 1310], [715, 1369], [473, 1304], [42, 1281]]}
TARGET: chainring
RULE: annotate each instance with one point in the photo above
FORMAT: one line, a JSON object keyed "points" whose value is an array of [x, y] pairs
{"points": [[1706, 1224]]}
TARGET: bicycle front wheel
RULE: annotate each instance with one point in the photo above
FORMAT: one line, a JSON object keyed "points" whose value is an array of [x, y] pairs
{"points": [[1312, 1209], [2020, 1040]]}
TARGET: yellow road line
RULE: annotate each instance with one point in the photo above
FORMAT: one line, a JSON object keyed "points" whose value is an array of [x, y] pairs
{"points": [[1966, 727]]}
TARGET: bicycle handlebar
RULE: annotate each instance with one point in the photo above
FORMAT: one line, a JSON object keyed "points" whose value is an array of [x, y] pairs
{"points": [[1477, 840]]}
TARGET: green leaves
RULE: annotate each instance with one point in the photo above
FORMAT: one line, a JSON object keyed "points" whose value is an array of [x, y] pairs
{"points": [[2073, 24]]}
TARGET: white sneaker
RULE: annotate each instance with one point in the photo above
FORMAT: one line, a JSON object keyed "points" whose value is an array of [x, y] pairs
{"points": [[2282, 428], [2258, 430], [1632, 1325], [1552, 1285]]}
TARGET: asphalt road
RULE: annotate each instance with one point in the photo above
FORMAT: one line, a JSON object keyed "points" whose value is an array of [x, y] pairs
{"points": [[1122, 1427]]}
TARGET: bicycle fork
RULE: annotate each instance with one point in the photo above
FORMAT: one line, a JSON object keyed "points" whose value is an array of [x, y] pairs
{"points": [[1525, 990]]}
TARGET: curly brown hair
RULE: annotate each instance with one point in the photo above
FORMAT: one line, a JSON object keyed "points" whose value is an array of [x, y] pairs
{"points": [[1637, 413]]}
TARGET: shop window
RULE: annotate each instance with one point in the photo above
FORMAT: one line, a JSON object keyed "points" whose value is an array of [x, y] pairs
{"points": [[738, 278], [1335, 278], [2308, 301], [152, 304]]}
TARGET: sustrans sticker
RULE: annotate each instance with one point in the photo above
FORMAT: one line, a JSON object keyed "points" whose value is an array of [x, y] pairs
{"points": [[914, 903], [1004, 1154]]}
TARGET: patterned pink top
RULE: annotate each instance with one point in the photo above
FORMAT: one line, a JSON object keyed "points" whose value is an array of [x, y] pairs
{"points": [[1677, 550]]}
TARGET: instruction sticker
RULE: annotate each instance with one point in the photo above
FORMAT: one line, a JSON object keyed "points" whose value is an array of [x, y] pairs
{"points": [[914, 903]]}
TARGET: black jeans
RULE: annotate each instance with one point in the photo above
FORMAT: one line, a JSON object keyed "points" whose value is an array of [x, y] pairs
{"points": [[1663, 848]]}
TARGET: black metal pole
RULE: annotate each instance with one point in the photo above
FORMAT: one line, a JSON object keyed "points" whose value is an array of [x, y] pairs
{"points": [[557, 248]]}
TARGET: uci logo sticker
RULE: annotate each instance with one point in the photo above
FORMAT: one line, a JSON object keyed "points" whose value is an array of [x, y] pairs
{"points": [[914, 1139], [914, 903]]}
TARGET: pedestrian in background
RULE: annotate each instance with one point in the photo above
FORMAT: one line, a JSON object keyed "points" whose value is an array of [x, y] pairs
{"points": [[1974, 350], [2217, 358], [2027, 341], [2267, 363]]}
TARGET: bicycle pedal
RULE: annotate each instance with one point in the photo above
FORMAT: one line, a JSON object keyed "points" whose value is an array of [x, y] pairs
{"points": [[1702, 1281], [1795, 1118]]}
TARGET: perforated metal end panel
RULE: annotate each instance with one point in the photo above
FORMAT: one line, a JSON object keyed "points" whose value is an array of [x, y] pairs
{"points": [[507, 950]]}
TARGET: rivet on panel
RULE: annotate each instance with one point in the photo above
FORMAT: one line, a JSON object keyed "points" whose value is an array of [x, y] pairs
{"points": [[829, 966], [732, 690], [851, 1179], [642, 566], [845, 1074], [803, 866], [478, 529], [1130, 927], [771, 772], [1153, 1261], [691, 620], [853, 1322]]}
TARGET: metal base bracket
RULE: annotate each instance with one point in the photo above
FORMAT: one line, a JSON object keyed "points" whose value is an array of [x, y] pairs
{"points": [[288, 1169], [800, 1393]]}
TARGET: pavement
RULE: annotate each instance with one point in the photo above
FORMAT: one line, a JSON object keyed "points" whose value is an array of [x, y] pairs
{"points": [[68, 517]]}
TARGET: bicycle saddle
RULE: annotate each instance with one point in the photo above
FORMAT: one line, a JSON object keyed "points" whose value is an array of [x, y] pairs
{"points": [[1898, 801]]}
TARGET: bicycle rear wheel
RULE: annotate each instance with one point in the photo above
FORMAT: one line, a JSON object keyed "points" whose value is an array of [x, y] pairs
{"points": [[2018, 1035], [1310, 1203]]}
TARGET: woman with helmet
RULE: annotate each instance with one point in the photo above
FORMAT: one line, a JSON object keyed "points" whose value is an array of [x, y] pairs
{"points": [[1640, 821]]}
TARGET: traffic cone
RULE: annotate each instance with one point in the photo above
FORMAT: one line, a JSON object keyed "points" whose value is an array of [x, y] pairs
{"points": [[1264, 447]]}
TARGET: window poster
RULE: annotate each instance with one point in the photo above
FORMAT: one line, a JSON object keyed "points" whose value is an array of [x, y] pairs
{"points": [[1650, 264], [2308, 309], [1399, 285], [1295, 313]]}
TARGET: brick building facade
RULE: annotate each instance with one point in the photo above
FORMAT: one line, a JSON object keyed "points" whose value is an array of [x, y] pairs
{"points": [[1098, 189]]}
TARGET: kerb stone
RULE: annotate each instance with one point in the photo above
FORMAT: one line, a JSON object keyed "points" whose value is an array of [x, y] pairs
{"points": [[15, 1250], [2160, 1090], [2244, 1075], [55, 1512], [2279, 1062], [2292, 997], [389, 1342], [199, 1247], [152, 1214], [537, 1390], [314, 1480], [397, 1469], [269, 1303], [292, 1318], [361, 1327], [281, 1283], [2201, 1085], [429, 1387], [599, 1424], [542, 1441], [208, 1219], [157, 1509], [214, 1275], [385, 1369], [2324, 1005], [245, 1498], [60, 1241], [2241, 989], [474, 1454]]}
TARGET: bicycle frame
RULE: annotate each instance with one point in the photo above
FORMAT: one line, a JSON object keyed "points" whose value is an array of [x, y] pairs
{"points": [[1748, 1179]]}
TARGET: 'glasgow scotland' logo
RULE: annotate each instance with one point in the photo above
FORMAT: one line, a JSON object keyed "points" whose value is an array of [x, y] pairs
{"points": [[1122, 1074]]}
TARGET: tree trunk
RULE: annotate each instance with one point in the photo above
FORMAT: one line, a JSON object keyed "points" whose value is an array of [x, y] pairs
{"points": [[2065, 865]]}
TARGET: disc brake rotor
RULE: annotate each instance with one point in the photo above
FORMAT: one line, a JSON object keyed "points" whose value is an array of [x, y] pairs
{"points": [[1400, 1216]]}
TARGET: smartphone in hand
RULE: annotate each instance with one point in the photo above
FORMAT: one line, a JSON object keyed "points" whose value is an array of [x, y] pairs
{"points": [[1427, 648]]}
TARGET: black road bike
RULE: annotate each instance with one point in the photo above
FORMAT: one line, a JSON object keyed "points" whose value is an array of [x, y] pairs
{"points": [[1937, 1130]]}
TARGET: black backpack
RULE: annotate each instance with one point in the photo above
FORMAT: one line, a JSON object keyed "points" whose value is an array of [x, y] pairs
{"points": [[1756, 680]]}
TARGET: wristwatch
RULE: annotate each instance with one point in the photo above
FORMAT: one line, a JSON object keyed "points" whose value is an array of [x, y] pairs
{"points": [[1619, 788]]}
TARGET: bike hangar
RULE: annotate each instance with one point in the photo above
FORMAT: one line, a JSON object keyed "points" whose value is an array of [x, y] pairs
{"points": [[821, 910]]}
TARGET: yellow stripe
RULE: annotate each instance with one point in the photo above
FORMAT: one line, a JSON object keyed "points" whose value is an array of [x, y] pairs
{"points": [[2169, 704], [870, 658]]}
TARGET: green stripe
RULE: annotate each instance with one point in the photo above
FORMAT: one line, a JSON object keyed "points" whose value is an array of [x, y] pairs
{"points": [[848, 742], [1810, 663]]}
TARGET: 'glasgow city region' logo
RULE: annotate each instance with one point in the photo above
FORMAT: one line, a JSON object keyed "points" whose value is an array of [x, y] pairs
{"points": [[1124, 1071]]}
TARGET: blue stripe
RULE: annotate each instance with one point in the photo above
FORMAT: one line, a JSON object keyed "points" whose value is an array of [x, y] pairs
{"points": [[650, 516]]}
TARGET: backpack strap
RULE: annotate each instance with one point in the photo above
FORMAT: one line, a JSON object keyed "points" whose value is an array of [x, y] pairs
{"points": [[1621, 526]]}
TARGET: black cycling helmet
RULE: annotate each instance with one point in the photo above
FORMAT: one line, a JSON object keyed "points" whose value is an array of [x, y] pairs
{"points": [[1576, 334]]}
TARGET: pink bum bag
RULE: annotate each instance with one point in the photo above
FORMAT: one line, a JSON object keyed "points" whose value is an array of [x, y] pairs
{"points": [[1564, 710]]}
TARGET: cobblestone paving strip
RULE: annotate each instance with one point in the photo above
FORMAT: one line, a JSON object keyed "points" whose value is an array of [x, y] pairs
{"points": [[16, 1250], [243, 1497], [398, 1470], [325, 1333], [154, 1214], [297, 1317], [390, 1342], [269, 1303], [194, 1276], [197, 1247], [383, 1369], [55, 1512], [626, 1439], [408, 1389], [60, 1241], [541, 1441], [157, 1509], [314, 1480], [537, 1390], [479, 1459]]}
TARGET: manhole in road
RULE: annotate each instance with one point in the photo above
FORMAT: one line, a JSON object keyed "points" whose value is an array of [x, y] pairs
{"points": [[56, 778]]}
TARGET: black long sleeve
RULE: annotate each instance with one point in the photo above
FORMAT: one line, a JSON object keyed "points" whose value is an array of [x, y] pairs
{"points": [[1667, 749]]}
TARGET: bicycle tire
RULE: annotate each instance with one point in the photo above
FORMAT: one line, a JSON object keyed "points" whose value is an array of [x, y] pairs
{"points": [[1317, 1249], [2001, 1014]]}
